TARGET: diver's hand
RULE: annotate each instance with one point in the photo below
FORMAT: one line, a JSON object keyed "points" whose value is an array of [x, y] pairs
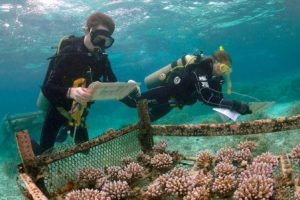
{"points": [[137, 91], [80, 94], [241, 108]]}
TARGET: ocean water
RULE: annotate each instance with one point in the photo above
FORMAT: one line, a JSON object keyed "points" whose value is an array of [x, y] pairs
{"points": [[262, 37]]}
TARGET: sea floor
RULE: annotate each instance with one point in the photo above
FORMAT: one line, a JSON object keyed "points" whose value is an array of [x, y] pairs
{"points": [[8, 187], [275, 143]]}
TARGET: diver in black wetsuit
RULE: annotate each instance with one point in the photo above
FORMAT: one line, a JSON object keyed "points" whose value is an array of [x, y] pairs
{"points": [[77, 58], [190, 79]]}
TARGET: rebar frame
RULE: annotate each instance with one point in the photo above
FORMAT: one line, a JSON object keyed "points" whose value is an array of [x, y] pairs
{"points": [[237, 128], [33, 168]]}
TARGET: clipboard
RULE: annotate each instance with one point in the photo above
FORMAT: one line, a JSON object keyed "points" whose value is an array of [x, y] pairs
{"points": [[109, 91]]}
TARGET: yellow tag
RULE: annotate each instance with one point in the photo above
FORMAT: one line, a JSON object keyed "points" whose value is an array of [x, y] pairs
{"points": [[162, 76]]}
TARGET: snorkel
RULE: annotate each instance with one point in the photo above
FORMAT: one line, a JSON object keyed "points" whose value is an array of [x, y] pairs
{"points": [[225, 68]]}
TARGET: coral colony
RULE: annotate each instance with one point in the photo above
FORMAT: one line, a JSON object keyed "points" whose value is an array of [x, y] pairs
{"points": [[159, 175]]}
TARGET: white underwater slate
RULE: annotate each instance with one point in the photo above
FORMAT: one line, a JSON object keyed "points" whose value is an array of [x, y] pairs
{"points": [[109, 91], [228, 113], [254, 106]]}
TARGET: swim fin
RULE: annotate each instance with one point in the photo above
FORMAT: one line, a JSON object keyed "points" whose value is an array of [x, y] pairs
{"points": [[259, 106]]}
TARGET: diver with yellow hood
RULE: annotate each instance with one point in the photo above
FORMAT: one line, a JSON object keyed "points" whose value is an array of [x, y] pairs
{"points": [[188, 79]]}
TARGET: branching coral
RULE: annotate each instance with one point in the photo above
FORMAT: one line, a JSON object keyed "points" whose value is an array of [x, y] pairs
{"points": [[113, 172], [116, 190], [124, 175], [178, 172], [89, 175], [251, 145], [257, 169], [297, 188], [224, 186], [255, 187], [157, 188], [127, 160], [87, 194], [266, 158], [198, 193], [295, 154], [243, 155], [134, 168], [160, 147], [224, 169], [203, 179], [178, 183], [154, 189], [179, 186], [100, 182], [161, 161], [255, 180], [143, 158], [204, 160], [162, 179], [226, 154]]}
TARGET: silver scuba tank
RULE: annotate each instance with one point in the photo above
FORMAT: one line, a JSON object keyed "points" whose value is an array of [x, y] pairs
{"points": [[158, 77], [42, 102]]}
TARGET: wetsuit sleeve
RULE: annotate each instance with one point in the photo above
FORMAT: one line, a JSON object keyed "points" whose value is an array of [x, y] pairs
{"points": [[129, 101], [210, 96], [54, 88], [109, 75]]}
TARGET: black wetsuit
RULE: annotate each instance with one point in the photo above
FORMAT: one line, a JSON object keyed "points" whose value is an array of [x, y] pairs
{"points": [[73, 62], [185, 87]]}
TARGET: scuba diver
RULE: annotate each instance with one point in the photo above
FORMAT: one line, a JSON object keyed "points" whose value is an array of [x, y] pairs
{"points": [[78, 62], [191, 78]]}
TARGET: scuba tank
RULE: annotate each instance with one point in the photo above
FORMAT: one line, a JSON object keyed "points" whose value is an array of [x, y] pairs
{"points": [[156, 78], [42, 102], [159, 77]]}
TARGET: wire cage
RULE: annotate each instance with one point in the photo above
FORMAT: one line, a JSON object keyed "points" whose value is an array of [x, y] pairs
{"points": [[41, 177]]}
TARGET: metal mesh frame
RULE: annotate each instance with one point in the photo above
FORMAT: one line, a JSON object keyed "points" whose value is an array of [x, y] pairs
{"points": [[109, 149], [107, 154]]}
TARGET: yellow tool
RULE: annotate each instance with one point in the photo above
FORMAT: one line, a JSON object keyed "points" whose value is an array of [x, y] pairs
{"points": [[77, 109]]}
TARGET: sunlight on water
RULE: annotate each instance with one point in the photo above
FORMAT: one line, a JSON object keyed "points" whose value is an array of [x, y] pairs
{"points": [[57, 8], [6, 7], [47, 5]]}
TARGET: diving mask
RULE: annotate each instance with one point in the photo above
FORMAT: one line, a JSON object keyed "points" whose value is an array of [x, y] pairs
{"points": [[101, 38], [226, 69]]}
